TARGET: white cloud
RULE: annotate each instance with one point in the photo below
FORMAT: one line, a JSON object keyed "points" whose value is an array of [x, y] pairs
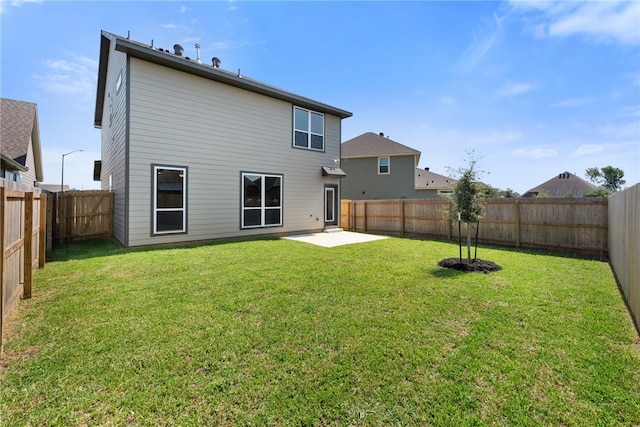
{"points": [[234, 44], [183, 9], [73, 76], [449, 101], [574, 102], [495, 138], [536, 153], [586, 149], [482, 43], [4, 5], [170, 26], [606, 22], [514, 89]]}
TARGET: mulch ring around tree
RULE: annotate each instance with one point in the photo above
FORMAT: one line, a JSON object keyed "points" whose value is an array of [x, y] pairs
{"points": [[478, 265]]}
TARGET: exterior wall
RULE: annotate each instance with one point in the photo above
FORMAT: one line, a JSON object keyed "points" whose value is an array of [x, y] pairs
{"points": [[29, 177], [218, 131], [114, 137], [364, 183]]}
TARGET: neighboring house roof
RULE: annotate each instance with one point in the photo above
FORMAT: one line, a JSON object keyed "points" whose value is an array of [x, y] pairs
{"points": [[181, 63], [427, 180], [18, 128], [563, 185], [375, 145], [11, 164]]}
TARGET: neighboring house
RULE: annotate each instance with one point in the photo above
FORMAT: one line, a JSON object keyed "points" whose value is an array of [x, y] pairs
{"points": [[20, 152], [377, 167], [193, 152], [564, 185]]}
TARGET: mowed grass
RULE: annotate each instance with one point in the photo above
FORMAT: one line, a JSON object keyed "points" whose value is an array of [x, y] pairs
{"points": [[277, 332]]}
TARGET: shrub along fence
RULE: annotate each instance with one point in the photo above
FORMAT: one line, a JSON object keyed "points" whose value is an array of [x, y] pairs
{"points": [[577, 225], [624, 245], [22, 239]]}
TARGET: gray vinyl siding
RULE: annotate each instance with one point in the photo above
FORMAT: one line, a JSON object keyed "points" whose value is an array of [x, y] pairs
{"points": [[114, 139], [29, 176], [364, 183], [218, 131]]}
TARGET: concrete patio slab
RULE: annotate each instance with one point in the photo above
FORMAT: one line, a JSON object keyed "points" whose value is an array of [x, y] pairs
{"points": [[333, 239]]}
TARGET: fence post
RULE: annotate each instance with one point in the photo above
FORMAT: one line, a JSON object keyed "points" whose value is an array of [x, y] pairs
{"points": [[365, 217], [28, 245], [42, 231], [402, 219], [3, 209], [61, 215], [516, 221]]}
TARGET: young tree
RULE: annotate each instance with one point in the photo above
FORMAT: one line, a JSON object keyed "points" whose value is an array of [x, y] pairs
{"points": [[467, 201], [608, 177]]}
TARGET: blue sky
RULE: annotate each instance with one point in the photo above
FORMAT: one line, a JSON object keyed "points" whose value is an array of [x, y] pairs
{"points": [[535, 89]]}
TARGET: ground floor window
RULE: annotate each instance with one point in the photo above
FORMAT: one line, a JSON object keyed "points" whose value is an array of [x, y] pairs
{"points": [[261, 200], [169, 199]]}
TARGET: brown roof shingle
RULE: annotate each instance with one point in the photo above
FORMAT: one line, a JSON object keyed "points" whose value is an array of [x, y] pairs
{"points": [[16, 126], [563, 185], [372, 145], [427, 180]]}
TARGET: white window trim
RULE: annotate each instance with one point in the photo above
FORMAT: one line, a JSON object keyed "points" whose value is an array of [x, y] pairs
{"points": [[308, 132], [388, 165], [155, 201], [263, 208]]}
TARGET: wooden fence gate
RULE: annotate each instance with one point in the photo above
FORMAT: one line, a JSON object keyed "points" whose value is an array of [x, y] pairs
{"points": [[84, 214]]}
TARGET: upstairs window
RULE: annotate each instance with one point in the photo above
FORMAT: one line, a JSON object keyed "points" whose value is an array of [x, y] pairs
{"points": [[261, 200], [308, 129], [169, 199], [383, 165]]}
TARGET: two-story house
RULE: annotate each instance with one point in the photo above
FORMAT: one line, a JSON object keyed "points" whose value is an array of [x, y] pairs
{"points": [[20, 152], [377, 167], [195, 152]]}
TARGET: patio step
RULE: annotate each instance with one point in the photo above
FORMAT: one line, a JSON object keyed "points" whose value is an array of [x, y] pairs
{"points": [[332, 230]]}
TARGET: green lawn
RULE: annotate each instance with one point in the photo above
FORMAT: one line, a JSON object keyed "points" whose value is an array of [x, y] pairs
{"points": [[277, 332]]}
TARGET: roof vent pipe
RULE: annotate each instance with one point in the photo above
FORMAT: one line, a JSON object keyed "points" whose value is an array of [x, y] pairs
{"points": [[381, 133], [198, 54], [216, 62], [178, 49]]}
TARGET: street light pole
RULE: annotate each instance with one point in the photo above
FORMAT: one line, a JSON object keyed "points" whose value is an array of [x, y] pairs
{"points": [[62, 179]]}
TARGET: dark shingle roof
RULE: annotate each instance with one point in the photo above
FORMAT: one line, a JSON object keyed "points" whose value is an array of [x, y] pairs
{"points": [[427, 180], [373, 145], [563, 185], [16, 125]]}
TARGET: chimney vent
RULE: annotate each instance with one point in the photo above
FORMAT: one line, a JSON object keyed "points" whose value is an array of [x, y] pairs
{"points": [[216, 62], [198, 54], [178, 49]]}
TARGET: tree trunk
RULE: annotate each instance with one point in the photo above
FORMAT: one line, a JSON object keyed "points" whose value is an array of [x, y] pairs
{"points": [[469, 241]]}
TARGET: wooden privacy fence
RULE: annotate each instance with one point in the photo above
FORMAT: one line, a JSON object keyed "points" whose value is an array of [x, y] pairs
{"points": [[22, 239], [570, 224], [624, 245], [84, 214]]}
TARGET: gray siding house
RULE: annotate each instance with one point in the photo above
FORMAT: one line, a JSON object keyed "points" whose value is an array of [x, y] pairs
{"points": [[194, 152], [377, 167], [20, 151]]}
